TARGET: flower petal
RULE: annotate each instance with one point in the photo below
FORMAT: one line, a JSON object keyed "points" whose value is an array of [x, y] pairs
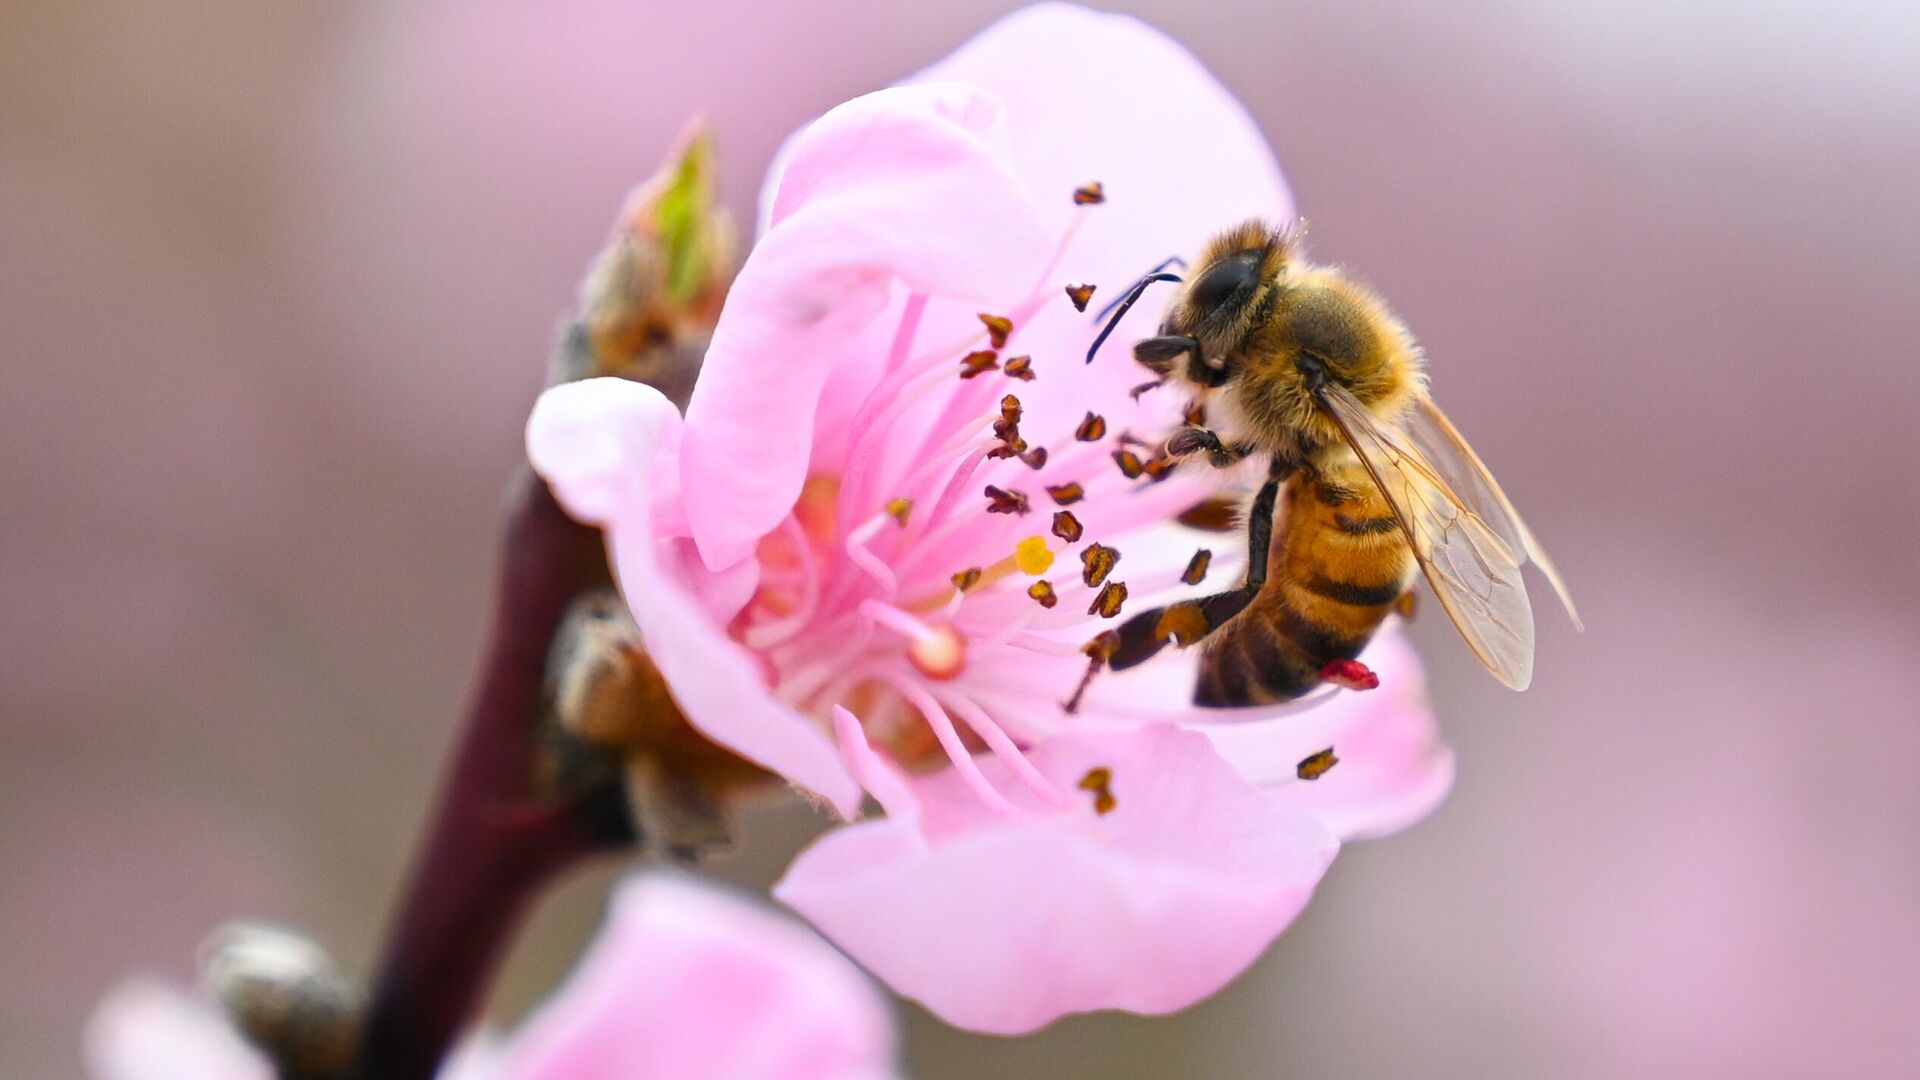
{"points": [[909, 185], [1005, 923], [1393, 769], [597, 443], [687, 980], [146, 1030], [1092, 96]]}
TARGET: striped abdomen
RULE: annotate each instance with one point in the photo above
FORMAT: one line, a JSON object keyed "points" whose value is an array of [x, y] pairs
{"points": [[1337, 564]]}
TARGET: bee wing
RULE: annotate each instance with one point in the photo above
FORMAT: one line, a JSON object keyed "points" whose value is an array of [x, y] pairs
{"points": [[1474, 570], [1447, 451]]}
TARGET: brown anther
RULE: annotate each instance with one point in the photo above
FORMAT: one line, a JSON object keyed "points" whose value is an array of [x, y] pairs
{"points": [[1405, 605], [898, 509], [1008, 448], [1002, 501], [1144, 387], [1107, 604], [1099, 780], [1092, 429], [1066, 494], [967, 579], [1099, 651], [1067, 527], [1090, 194], [1080, 293], [1213, 515], [1019, 367], [1129, 463], [1159, 468], [1196, 570], [1096, 562], [1196, 414], [1315, 766], [998, 327], [1043, 594], [1036, 458], [1184, 622], [1010, 410], [978, 362]]}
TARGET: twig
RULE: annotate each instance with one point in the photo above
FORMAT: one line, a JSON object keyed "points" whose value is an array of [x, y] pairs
{"points": [[497, 838]]}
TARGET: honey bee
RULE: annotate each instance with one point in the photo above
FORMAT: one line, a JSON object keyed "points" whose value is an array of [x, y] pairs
{"points": [[1301, 364]]}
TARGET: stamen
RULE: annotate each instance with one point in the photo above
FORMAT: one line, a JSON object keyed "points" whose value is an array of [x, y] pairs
{"points": [[1107, 604], [1007, 430], [998, 327], [1351, 674], [968, 578], [1093, 428], [1019, 367], [1035, 459], [1089, 194], [1159, 468], [1099, 651], [767, 635], [957, 752], [1066, 494], [1196, 570], [1096, 562], [1129, 462], [1315, 766], [857, 553], [899, 510], [1005, 749], [1099, 780], [1079, 294], [978, 362], [1002, 501], [1042, 592], [1067, 527], [1033, 556]]}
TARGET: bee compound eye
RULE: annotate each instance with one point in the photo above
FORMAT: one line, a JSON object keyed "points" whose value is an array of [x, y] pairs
{"points": [[1225, 278]]}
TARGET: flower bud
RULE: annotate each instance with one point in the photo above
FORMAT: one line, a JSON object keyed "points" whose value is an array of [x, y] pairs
{"points": [[286, 996]]}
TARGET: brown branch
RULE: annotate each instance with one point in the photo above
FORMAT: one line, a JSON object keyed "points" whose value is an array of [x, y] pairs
{"points": [[497, 838]]}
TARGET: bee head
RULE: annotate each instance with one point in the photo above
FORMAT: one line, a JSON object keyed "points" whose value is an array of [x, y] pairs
{"points": [[1231, 289]]}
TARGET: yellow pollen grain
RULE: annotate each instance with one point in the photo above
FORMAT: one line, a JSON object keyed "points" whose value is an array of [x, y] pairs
{"points": [[1033, 556]]}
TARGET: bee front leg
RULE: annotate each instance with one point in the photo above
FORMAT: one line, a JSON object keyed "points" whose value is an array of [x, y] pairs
{"points": [[1196, 440], [1162, 354]]}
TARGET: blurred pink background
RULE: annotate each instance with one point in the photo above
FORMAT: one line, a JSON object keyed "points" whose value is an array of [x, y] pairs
{"points": [[277, 284]]}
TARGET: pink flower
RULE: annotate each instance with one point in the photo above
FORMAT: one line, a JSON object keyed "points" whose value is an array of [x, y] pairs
{"points": [[831, 553], [684, 981]]}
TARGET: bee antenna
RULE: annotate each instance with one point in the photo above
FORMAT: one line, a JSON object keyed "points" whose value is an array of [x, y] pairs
{"points": [[1171, 260], [1126, 302]]}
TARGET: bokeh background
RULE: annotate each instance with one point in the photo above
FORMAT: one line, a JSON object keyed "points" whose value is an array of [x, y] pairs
{"points": [[277, 285]]}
